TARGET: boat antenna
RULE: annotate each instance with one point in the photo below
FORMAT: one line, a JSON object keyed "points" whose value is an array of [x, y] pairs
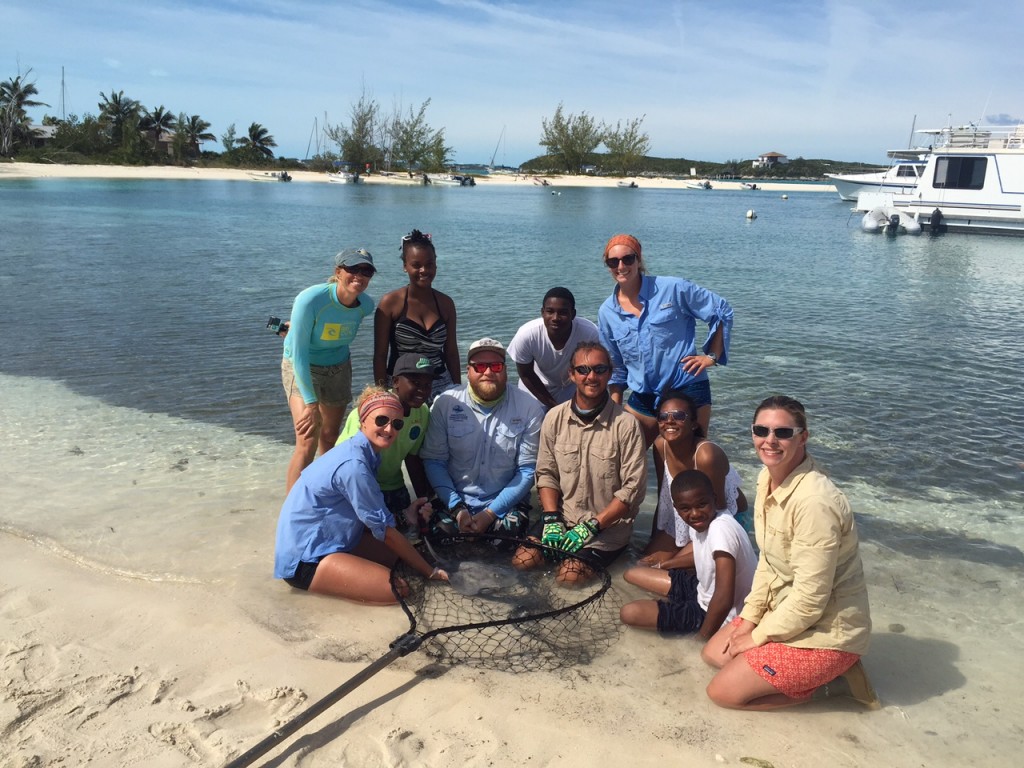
{"points": [[314, 132], [910, 141], [497, 146]]}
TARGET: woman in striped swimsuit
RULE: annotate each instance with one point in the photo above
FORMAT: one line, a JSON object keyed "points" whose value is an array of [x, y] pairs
{"points": [[417, 319]]}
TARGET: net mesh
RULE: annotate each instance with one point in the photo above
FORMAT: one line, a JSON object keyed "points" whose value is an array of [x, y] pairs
{"points": [[492, 615]]}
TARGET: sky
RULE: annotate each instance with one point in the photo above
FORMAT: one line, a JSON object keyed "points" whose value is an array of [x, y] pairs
{"points": [[713, 80]]}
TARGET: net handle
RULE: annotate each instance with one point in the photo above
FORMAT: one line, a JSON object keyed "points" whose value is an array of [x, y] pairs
{"points": [[402, 646]]}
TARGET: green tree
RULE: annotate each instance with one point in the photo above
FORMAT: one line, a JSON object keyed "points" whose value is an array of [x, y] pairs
{"points": [[15, 98], [156, 122], [85, 136], [196, 131], [121, 116], [229, 139], [627, 145], [417, 145], [571, 138], [256, 145], [356, 141]]}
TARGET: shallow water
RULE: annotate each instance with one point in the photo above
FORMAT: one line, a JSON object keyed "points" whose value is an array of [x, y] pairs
{"points": [[135, 364]]}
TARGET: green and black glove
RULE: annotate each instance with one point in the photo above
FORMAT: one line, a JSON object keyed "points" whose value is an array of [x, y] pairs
{"points": [[553, 531], [579, 536]]}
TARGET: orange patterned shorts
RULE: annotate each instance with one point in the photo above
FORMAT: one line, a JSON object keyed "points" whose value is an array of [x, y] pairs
{"points": [[797, 672]]}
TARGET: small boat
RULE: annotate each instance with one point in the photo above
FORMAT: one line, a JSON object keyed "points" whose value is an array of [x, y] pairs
{"points": [[973, 181], [450, 180], [749, 185], [890, 221], [270, 175], [902, 176], [344, 177], [626, 184], [703, 184]]}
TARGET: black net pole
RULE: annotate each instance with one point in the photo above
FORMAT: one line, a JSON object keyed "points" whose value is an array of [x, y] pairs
{"points": [[401, 647]]}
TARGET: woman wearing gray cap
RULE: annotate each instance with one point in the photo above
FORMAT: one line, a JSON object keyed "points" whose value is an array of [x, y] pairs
{"points": [[316, 369]]}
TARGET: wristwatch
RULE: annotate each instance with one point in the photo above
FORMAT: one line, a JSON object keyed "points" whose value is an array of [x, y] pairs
{"points": [[714, 358]]}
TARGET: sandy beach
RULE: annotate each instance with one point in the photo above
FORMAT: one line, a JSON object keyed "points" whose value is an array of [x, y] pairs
{"points": [[46, 171], [164, 641]]}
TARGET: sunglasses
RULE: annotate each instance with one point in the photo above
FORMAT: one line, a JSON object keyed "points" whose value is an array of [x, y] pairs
{"points": [[364, 270], [673, 416], [382, 421], [484, 367], [781, 433], [417, 238], [628, 261], [584, 370]]}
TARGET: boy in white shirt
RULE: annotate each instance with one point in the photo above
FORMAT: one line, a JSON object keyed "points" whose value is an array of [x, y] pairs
{"points": [[724, 560]]}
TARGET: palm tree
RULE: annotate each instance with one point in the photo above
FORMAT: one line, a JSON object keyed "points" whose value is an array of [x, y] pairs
{"points": [[197, 131], [258, 143], [156, 122], [118, 111], [15, 98]]}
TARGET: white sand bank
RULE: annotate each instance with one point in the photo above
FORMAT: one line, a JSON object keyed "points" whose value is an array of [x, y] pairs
{"points": [[47, 170]]}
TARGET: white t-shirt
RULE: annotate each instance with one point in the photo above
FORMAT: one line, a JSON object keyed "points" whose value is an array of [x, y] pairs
{"points": [[669, 520], [723, 535], [531, 344]]}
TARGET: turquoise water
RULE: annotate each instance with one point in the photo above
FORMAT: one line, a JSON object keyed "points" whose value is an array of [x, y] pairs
{"points": [[133, 300]]}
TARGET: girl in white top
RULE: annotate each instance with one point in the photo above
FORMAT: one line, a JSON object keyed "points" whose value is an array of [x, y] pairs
{"points": [[681, 445]]}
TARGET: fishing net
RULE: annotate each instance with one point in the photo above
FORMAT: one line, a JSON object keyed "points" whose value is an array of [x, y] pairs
{"points": [[489, 615]]}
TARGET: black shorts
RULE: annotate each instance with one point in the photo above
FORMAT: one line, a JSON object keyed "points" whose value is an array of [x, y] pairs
{"points": [[303, 575], [680, 613]]}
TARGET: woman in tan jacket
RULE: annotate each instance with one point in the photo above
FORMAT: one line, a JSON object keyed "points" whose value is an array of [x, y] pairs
{"points": [[805, 621]]}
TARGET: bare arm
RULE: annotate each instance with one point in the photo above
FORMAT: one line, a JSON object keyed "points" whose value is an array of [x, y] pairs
{"points": [[401, 546], [722, 599], [452, 360], [712, 461], [383, 321], [418, 475], [529, 377]]}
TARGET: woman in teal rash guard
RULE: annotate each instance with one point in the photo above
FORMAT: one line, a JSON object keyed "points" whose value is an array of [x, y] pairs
{"points": [[317, 370]]}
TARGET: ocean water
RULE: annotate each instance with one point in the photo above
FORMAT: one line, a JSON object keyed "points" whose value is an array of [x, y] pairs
{"points": [[145, 429]]}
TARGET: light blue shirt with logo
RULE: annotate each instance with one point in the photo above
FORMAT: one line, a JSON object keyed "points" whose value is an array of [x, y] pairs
{"points": [[485, 457]]}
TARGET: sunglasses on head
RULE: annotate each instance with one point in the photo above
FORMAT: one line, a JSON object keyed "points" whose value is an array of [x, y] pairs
{"points": [[382, 421], [628, 260], [673, 416], [781, 433], [419, 237], [365, 270], [584, 370], [484, 367]]}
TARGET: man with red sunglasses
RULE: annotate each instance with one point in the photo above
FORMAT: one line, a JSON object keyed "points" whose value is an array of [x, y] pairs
{"points": [[480, 451]]}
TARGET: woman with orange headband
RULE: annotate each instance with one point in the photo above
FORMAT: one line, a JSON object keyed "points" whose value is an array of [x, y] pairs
{"points": [[335, 535], [648, 325]]}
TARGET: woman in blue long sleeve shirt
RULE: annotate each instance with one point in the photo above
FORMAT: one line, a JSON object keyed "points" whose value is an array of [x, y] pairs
{"points": [[335, 535], [649, 326]]}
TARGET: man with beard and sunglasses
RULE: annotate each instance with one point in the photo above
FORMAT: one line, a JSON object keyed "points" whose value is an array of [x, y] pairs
{"points": [[481, 449], [591, 475]]}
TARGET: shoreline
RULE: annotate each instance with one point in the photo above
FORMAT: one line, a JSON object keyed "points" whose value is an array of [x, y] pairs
{"points": [[22, 171]]}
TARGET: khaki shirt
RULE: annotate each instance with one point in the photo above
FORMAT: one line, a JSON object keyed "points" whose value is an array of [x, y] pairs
{"points": [[590, 464], [809, 589]]}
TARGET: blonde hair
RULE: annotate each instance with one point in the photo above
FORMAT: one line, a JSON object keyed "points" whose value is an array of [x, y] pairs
{"points": [[369, 391]]}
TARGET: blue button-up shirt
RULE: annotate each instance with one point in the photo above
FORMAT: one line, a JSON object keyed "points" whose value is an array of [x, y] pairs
{"points": [[334, 500], [485, 457], [646, 351]]}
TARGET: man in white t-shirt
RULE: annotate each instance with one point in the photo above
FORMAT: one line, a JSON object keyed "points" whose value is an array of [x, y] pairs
{"points": [[542, 349]]}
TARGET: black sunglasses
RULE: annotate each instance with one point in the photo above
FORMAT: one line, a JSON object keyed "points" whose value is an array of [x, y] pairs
{"points": [[673, 415], [419, 237], [781, 433], [396, 424], [364, 270], [584, 370], [629, 260]]}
